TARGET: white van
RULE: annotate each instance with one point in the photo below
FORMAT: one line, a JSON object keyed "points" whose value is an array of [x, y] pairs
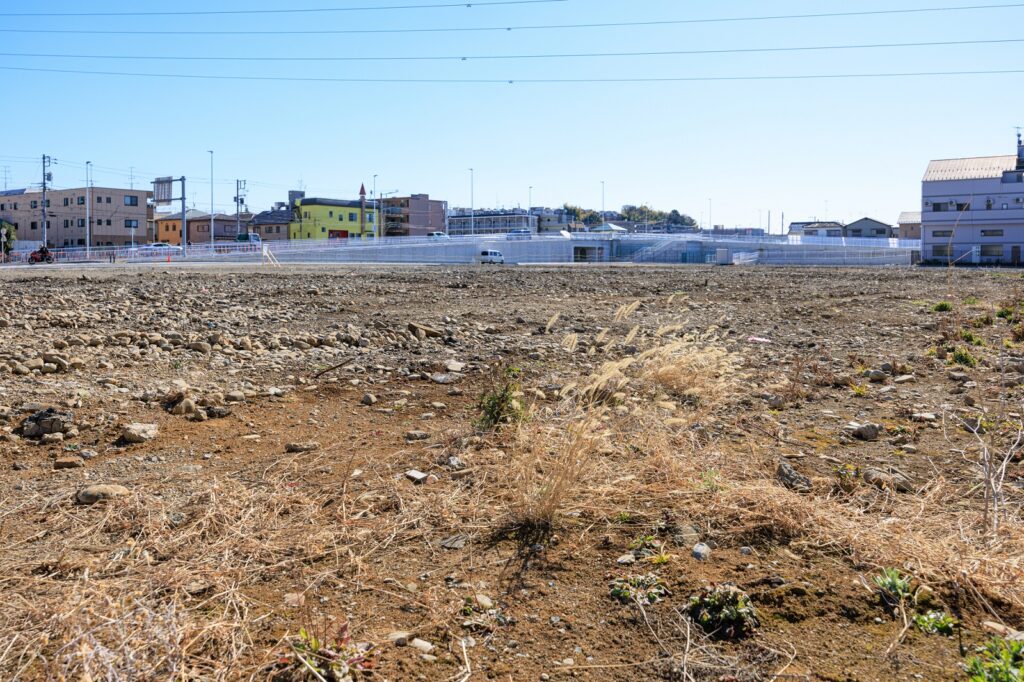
{"points": [[492, 258]]}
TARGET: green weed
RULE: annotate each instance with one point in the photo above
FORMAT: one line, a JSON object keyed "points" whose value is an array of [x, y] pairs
{"points": [[962, 356], [935, 623], [502, 405], [942, 307], [724, 611], [998, 661], [645, 589]]}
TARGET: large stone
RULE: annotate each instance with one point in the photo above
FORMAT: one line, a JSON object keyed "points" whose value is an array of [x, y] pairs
{"points": [[793, 479], [100, 492], [68, 463], [139, 433], [301, 447], [46, 421]]}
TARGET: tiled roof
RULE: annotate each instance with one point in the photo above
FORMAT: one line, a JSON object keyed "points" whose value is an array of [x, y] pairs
{"points": [[910, 217]]}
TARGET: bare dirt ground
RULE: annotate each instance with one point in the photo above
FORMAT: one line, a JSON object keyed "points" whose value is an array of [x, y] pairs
{"points": [[320, 464]]}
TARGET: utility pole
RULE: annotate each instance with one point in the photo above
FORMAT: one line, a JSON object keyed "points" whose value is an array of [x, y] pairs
{"points": [[88, 207], [211, 199], [472, 204], [131, 177], [239, 196], [7, 173], [47, 176], [378, 229]]}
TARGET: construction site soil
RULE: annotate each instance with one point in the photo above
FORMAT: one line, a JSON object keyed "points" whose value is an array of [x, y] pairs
{"points": [[450, 473]]}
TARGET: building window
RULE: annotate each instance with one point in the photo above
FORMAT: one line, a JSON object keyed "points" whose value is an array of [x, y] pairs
{"points": [[99, 200], [305, 214], [330, 214], [940, 207], [66, 201], [992, 251], [67, 223], [369, 217], [941, 251], [34, 204], [991, 233], [131, 200], [81, 201], [352, 217], [937, 234], [131, 224], [35, 225], [81, 222], [323, 229], [47, 203], [108, 200], [108, 222], [963, 207]]}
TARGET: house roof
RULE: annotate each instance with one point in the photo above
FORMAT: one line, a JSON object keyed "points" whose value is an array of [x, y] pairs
{"points": [[190, 214], [314, 201], [979, 168], [869, 220], [279, 217], [910, 217], [12, 192]]}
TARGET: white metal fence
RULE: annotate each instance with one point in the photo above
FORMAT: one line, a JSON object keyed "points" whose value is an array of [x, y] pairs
{"points": [[578, 247]]}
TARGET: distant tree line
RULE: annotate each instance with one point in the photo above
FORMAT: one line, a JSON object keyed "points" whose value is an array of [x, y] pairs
{"points": [[633, 214]]}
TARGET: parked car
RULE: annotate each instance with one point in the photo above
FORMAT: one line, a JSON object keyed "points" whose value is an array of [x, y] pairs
{"points": [[159, 249], [519, 234], [249, 238], [490, 257], [438, 237]]}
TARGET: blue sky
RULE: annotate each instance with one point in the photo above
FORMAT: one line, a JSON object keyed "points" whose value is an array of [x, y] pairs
{"points": [[809, 148]]}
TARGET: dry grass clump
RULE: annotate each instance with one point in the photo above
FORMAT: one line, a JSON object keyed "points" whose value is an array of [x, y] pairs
{"points": [[549, 466], [701, 373], [160, 585]]}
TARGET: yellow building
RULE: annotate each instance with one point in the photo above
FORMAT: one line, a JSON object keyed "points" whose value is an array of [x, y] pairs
{"points": [[333, 219]]}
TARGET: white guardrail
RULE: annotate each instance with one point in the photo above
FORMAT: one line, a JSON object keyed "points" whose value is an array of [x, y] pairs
{"points": [[465, 249]]}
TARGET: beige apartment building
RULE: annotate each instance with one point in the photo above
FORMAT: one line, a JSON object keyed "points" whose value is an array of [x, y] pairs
{"points": [[416, 215], [115, 216]]}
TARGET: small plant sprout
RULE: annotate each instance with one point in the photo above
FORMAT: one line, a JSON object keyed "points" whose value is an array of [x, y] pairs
{"points": [[1005, 313], [935, 623], [971, 300], [661, 557], [623, 517], [724, 611], [942, 307], [893, 586], [643, 589], [999, 661], [859, 390], [337, 660]]}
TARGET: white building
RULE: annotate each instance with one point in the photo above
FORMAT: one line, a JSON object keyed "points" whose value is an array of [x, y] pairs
{"points": [[973, 210]]}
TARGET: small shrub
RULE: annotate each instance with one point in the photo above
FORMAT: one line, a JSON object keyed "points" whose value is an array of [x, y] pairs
{"points": [[623, 517], [998, 661], [935, 623], [848, 476], [893, 585], [962, 356], [644, 543], [502, 405], [971, 338], [1018, 332], [645, 589], [724, 612], [971, 300], [1005, 314], [859, 390], [985, 320], [942, 307]]}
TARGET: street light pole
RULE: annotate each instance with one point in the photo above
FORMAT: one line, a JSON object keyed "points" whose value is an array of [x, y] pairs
{"points": [[529, 202], [711, 223], [88, 208], [378, 228], [603, 219], [211, 198], [472, 204]]}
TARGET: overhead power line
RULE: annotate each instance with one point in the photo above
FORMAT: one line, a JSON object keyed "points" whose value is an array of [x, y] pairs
{"points": [[565, 55], [513, 81], [538, 27], [300, 10]]}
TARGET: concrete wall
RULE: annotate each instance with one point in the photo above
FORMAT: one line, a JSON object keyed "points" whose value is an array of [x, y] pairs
{"points": [[107, 208], [951, 234]]}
